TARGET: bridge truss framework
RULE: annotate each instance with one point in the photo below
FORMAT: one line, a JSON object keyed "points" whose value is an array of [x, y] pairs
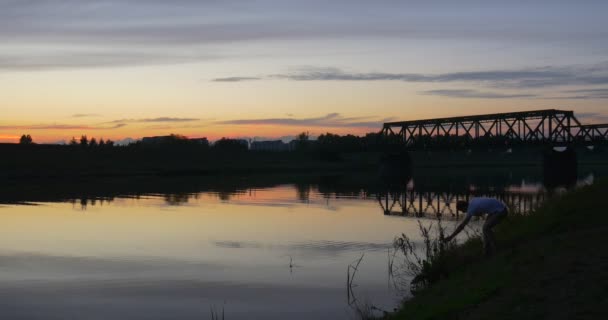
{"points": [[552, 127]]}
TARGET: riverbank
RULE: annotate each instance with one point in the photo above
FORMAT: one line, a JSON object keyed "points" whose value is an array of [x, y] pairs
{"points": [[55, 161], [61, 162], [550, 265]]}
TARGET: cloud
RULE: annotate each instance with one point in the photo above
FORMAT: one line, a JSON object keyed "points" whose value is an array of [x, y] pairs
{"points": [[85, 115], [135, 22], [235, 79], [163, 123], [174, 127], [474, 94], [597, 93], [159, 119], [168, 119], [75, 59], [539, 77], [62, 127], [119, 125], [594, 117], [133, 28], [581, 97], [329, 120], [581, 94]]}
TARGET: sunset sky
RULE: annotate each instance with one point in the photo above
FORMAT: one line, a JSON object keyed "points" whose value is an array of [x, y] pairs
{"points": [[243, 68]]}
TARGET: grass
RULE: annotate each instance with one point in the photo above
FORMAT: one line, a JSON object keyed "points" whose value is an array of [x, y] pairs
{"points": [[215, 314], [551, 264]]}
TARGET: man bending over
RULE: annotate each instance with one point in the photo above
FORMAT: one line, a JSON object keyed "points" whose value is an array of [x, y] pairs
{"points": [[496, 211]]}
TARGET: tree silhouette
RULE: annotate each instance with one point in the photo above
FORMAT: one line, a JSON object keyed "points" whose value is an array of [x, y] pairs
{"points": [[93, 143], [303, 136], [26, 139], [302, 141], [73, 142], [84, 141], [102, 143]]}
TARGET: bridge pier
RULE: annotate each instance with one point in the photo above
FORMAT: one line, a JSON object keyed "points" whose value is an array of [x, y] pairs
{"points": [[395, 168]]}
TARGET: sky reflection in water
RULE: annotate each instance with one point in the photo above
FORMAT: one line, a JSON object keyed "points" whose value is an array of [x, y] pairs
{"points": [[175, 256]]}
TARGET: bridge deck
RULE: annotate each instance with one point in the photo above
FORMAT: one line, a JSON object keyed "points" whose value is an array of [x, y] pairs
{"points": [[536, 114]]}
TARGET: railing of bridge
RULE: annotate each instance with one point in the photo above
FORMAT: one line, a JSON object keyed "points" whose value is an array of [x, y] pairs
{"points": [[539, 127], [591, 132]]}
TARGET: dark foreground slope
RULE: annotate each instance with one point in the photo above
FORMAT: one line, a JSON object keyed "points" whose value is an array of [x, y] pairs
{"points": [[552, 264]]}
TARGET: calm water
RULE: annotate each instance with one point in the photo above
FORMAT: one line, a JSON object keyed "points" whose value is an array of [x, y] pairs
{"points": [[273, 252]]}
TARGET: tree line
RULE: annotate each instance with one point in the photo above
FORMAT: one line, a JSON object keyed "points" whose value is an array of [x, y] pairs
{"points": [[85, 142], [325, 143]]}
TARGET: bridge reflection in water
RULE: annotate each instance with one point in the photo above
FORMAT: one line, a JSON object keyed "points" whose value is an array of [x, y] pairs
{"points": [[425, 203]]}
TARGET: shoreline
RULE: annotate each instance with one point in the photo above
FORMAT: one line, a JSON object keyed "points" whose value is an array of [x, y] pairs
{"points": [[61, 162], [549, 265]]}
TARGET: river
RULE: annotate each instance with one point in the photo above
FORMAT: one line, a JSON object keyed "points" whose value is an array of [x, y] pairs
{"points": [[277, 251]]}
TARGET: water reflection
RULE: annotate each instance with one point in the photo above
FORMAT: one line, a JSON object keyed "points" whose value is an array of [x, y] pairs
{"points": [[426, 194], [409, 202], [264, 247], [84, 201]]}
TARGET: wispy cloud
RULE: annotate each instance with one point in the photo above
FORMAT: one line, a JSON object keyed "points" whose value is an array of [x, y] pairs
{"points": [[75, 59], [236, 79], [474, 94], [598, 93], [595, 74], [85, 115], [62, 127], [329, 120], [169, 126], [133, 27], [159, 119], [592, 117], [581, 94], [162, 22]]}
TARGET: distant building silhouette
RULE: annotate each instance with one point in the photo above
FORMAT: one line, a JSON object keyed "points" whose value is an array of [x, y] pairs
{"points": [[227, 144], [243, 142], [157, 140], [200, 141], [274, 145], [173, 139]]}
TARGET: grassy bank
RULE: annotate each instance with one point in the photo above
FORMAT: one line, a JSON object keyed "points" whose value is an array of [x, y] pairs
{"points": [[552, 264]]}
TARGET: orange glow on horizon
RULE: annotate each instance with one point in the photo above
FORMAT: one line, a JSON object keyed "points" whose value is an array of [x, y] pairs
{"points": [[9, 138], [212, 133]]}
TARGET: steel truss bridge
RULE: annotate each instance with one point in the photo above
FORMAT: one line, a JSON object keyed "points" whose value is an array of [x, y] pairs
{"points": [[432, 204], [541, 127]]}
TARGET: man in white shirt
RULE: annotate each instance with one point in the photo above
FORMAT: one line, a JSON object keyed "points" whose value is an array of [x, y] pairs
{"points": [[496, 211]]}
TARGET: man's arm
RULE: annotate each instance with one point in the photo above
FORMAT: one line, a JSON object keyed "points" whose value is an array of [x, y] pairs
{"points": [[461, 226]]}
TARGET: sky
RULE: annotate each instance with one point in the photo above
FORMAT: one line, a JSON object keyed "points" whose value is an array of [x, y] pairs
{"points": [[259, 68]]}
